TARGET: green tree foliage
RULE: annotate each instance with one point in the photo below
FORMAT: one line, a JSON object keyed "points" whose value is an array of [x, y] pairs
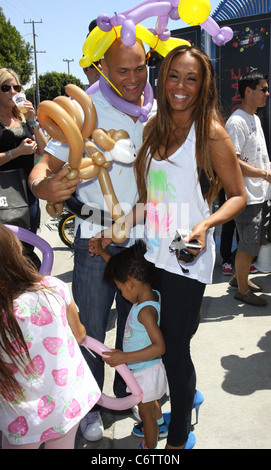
{"points": [[15, 53], [53, 84]]}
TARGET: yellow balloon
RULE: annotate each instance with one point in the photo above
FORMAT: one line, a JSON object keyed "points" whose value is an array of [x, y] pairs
{"points": [[162, 47], [194, 12], [97, 43], [145, 35], [92, 39]]}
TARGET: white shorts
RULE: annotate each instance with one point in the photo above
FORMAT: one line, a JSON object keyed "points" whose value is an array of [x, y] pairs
{"points": [[153, 382]]}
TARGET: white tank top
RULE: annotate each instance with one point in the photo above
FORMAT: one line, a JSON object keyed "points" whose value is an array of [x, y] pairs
{"points": [[174, 202]]}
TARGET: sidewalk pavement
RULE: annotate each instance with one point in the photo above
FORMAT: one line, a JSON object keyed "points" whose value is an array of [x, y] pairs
{"points": [[232, 355]]}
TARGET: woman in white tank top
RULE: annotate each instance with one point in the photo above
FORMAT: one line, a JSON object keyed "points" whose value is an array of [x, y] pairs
{"points": [[185, 157]]}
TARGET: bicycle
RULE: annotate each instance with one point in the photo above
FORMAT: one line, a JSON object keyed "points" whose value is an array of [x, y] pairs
{"points": [[73, 207], [66, 229]]}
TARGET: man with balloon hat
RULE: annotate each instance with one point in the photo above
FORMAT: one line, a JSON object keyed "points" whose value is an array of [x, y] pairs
{"points": [[126, 69], [127, 103]]}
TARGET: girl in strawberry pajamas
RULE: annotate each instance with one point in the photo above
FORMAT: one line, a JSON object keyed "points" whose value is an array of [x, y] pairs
{"points": [[46, 387]]}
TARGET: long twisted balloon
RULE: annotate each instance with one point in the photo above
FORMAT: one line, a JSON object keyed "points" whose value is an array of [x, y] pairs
{"points": [[62, 120]]}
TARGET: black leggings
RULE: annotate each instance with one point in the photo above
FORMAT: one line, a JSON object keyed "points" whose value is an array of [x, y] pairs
{"points": [[181, 299]]}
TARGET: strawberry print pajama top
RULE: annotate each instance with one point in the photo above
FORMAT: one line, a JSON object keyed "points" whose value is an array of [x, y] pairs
{"points": [[61, 389]]}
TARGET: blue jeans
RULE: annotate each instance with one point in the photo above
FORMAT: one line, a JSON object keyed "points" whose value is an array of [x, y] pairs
{"points": [[94, 299]]}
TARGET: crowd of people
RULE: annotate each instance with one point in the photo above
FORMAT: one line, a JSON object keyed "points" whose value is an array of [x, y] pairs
{"points": [[185, 155]]}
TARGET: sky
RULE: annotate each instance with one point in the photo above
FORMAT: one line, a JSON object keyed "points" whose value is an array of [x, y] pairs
{"points": [[61, 27]]}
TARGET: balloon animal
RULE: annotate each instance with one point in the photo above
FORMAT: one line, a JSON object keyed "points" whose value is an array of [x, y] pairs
{"points": [[62, 120]]}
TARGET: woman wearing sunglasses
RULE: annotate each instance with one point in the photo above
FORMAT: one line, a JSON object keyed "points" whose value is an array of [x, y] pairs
{"points": [[20, 139]]}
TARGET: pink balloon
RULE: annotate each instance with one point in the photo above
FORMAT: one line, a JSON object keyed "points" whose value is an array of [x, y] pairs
{"points": [[33, 239], [110, 402], [124, 106]]}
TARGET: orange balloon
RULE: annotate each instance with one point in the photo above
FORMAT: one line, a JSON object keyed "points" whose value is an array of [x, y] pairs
{"points": [[61, 119], [112, 203], [86, 162], [88, 107], [99, 158], [54, 210], [88, 172], [50, 126], [71, 108], [90, 147], [103, 139], [118, 135]]}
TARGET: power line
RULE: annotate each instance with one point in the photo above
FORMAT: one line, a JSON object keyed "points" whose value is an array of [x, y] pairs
{"points": [[68, 60], [35, 59]]}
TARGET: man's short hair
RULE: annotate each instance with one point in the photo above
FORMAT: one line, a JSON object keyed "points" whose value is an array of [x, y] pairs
{"points": [[250, 80]]}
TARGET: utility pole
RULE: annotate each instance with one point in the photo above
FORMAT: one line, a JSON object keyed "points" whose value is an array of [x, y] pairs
{"points": [[68, 60], [35, 60]]}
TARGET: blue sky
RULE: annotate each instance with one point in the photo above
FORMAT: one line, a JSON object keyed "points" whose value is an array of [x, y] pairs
{"points": [[64, 27]]}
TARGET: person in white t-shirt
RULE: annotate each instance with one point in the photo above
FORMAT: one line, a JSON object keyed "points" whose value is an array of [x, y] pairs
{"points": [[126, 69], [245, 130]]}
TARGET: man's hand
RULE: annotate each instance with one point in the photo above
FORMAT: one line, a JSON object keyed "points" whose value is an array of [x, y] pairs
{"points": [[55, 187]]}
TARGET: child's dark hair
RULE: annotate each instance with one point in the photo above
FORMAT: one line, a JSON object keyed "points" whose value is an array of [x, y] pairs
{"points": [[130, 262]]}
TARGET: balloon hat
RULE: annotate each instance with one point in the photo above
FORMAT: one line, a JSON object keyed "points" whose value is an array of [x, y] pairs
{"points": [[126, 25]]}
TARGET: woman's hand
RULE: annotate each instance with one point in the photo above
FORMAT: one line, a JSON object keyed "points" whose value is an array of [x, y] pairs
{"points": [[199, 234], [26, 147], [30, 114]]}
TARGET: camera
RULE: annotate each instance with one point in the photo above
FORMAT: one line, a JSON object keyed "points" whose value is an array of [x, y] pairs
{"points": [[180, 247]]}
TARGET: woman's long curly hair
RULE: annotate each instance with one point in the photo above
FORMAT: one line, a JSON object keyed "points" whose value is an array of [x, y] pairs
{"points": [[206, 112], [17, 275]]}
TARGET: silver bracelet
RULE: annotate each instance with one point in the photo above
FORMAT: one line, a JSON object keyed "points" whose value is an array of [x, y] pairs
{"points": [[267, 175], [34, 181], [8, 152]]}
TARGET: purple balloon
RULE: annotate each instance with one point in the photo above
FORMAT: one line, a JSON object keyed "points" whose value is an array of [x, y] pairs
{"points": [[124, 106], [219, 35], [174, 14], [227, 32], [117, 20], [211, 26], [161, 24], [33, 239], [128, 33], [165, 35], [103, 22], [93, 88], [146, 11]]}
